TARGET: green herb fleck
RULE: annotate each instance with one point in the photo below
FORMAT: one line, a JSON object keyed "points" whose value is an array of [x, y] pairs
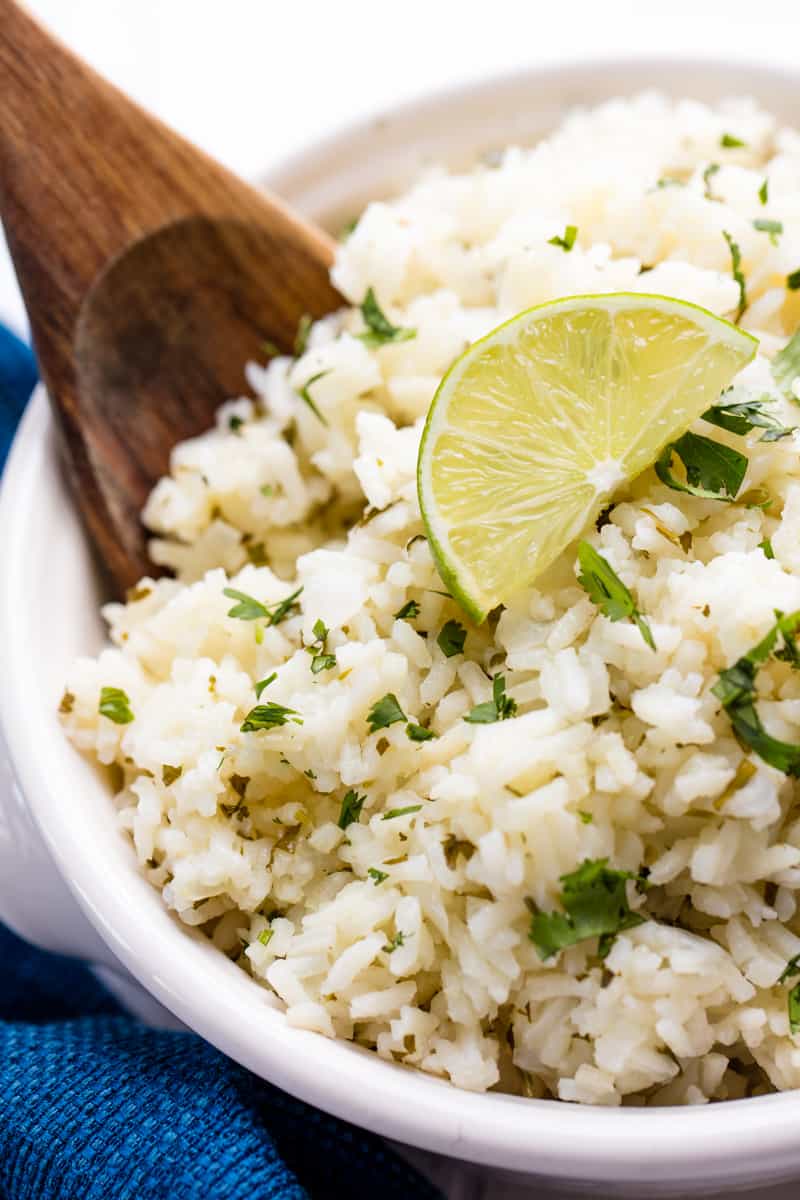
{"points": [[750, 414], [271, 349], [499, 708], [786, 366], [586, 817], [377, 876], [763, 192], [418, 733], [351, 809], [793, 1005], [792, 968], [409, 611], [708, 174], [451, 639], [380, 331], [713, 471], [321, 660], [736, 690], [265, 937], [729, 142], [385, 712], [605, 589], [269, 716], [235, 423], [301, 337], [395, 943], [737, 273], [400, 812], [773, 228], [766, 546], [667, 181], [264, 683], [595, 902], [793, 280], [565, 241], [249, 609], [305, 395], [115, 705], [170, 774]]}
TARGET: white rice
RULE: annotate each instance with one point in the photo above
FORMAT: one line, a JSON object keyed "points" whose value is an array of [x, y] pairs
{"points": [[687, 1006]]}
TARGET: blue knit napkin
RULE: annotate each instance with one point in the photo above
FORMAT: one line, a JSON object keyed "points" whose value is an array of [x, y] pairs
{"points": [[96, 1106]]}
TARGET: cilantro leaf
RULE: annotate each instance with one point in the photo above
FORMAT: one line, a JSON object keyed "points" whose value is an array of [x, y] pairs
{"points": [[667, 181], [301, 337], [750, 414], [235, 423], [605, 589], [280, 611], [418, 733], [499, 708], [793, 280], [763, 191], [567, 241], [351, 808], [409, 611], [395, 943], [773, 228], [400, 812], [786, 366], [713, 471], [729, 142], [380, 331], [736, 690], [115, 705], [793, 1005], [766, 546], [451, 639], [377, 876], [247, 609], [264, 683], [321, 660], [385, 712], [269, 716], [265, 937], [709, 172], [737, 273], [595, 902], [792, 968], [305, 395]]}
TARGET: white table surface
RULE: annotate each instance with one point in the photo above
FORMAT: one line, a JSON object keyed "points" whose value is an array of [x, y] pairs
{"points": [[252, 80]]}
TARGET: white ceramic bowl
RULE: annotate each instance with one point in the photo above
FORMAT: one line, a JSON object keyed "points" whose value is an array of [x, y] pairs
{"points": [[48, 614]]}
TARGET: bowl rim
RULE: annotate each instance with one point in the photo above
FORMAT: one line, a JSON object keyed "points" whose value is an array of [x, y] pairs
{"points": [[536, 1137]]}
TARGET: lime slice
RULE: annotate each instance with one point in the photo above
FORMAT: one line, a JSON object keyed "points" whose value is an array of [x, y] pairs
{"points": [[535, 425]]}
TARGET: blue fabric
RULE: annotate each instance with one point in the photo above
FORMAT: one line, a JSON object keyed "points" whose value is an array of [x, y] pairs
{"points": [[96, 1106]]}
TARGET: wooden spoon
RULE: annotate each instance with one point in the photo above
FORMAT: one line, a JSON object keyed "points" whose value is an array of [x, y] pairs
{"points": [[150, 274]]}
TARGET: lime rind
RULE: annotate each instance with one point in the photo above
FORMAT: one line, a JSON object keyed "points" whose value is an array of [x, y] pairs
{"points": [[455, 571]]}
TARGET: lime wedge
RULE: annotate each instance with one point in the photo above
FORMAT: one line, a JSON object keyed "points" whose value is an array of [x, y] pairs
{"points": [[537, 424]]}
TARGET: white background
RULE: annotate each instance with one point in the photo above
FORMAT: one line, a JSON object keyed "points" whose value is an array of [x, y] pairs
{"points": [[253, 80]]}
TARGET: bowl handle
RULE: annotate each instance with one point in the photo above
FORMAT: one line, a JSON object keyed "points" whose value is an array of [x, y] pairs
{"points": [[35, 902]]}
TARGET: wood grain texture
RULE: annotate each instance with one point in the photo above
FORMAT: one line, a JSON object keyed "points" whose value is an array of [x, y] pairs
{"points": [[150, 274]]}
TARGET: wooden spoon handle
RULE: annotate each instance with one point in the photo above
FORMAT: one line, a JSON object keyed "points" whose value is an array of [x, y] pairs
{"points": [[84, 173]]}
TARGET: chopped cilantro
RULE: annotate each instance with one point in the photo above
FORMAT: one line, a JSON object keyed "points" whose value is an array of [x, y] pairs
{"points": [[265, 937], [249, 609], [301, 337], [451, 639], [377, 876], [380, 331], [235, 423], [794, 1009], [763, 192], [713, 471], [115, 705], [773, 228], [586, 817], [565, 241], [280, 611], [351, 809], [736, 690], [595, 902], [271, 349], [418, 733], [729, 142], [750, 414], [264, 683], [321, 660], [395, 943], [708, 174], [170, 774], [385, 712], [667, 181], [400, 812], [793, 280], [305, 395], [268, 716], [766, 546], [499, 708], [738, 274], [266, 489], [792, 968], [786, 366], [605, 589], [409, 611]]}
